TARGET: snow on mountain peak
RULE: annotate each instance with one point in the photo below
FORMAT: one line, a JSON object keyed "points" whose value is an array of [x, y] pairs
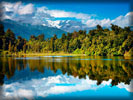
{"points": [[54, 23], [66, 25]]}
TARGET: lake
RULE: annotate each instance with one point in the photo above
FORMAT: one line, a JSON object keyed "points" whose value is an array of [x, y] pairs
{"points": [[66, 77]]}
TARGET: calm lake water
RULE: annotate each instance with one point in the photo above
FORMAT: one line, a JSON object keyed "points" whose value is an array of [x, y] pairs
{"points": [[66, 77]]}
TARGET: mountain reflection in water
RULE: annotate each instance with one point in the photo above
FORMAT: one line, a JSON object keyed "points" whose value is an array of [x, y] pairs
{"points": [[98, 69]]}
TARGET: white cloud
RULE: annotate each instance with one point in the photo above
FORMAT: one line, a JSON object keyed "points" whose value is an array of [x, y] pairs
{"points": [[10, 6], [18, 7], [105, 22], [9, 9], [16, 11], [127, 87], [62, 13], [46, 86], [20, 93], [28, 9], [92, 22], [122, 21], [44, 16], [52, 85]]}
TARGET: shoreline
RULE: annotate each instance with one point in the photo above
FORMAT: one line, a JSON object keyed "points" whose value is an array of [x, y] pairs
{"points": [[40, 54], [53, 54], [21, 54]]}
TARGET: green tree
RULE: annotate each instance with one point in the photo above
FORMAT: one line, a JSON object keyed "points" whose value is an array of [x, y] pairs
{"points": [[63, 37], [40, 37], [99, 28], [32, 37], [52, 44], [2, 33], [66, 45]]}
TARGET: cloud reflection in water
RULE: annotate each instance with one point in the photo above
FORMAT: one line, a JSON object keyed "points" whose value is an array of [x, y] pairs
{"points": [[53, 85]]}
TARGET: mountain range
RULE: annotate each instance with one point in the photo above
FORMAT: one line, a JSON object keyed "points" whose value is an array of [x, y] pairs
{"points": [[25, 30], [48, 28], [67, 25]]}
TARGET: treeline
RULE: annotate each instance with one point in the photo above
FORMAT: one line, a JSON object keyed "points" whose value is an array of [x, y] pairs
{"points": [[101, 42]]}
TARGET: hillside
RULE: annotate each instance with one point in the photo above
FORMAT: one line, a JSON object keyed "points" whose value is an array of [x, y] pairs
{"points": [[116, 41], [26, 30]]}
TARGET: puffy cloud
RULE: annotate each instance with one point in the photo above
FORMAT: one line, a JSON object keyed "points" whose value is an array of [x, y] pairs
{"points": [[94, 22], [16, 11], [127, 87], [28, 9], [11, 6], [9, 9], [124, 20], [52, 85], [105, 22], [120, 20], [46, 86], [18, 8], [20, 93], [62, 13], [44, 16]]}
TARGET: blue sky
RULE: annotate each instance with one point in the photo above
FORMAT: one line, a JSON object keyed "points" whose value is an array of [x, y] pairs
{"points": [[101, 10], [83, 14]]}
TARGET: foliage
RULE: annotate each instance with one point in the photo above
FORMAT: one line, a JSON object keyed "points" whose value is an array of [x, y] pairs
{"points": [[100, 42]]}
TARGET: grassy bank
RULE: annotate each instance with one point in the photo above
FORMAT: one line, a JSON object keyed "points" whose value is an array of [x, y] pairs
{"points": [[21, 54]]}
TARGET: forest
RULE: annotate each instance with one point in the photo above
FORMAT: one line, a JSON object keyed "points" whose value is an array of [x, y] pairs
{"points": [[115, 41]]}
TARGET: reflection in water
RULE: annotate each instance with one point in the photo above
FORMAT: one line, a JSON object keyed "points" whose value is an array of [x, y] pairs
{"points": [[77, 74], [97, 69]]}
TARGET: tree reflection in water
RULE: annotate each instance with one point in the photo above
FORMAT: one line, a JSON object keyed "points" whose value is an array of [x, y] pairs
{"points": [[97, 68]]}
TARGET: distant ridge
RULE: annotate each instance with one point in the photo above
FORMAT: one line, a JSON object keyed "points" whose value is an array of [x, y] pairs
{"points": [[25, 30]]}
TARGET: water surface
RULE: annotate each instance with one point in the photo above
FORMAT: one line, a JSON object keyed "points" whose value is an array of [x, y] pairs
{"points": [[66, 77]]}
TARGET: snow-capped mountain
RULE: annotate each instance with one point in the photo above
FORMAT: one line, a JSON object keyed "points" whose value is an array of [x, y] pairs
{"points": [[66, 25], [48, 27], [26, 30]]}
